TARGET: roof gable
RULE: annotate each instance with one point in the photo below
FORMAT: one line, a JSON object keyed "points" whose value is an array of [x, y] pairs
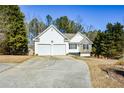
{"points": [[51, 26], [76, 38], [85, 38], [66, 36], [79, 38]]}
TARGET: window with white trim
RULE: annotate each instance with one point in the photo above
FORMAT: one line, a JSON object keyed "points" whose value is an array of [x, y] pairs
{"points": [[85, 46], [72, 46]]}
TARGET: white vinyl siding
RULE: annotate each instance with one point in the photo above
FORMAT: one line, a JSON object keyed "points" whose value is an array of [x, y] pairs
{"points": [[77, 38], [51, 42]]}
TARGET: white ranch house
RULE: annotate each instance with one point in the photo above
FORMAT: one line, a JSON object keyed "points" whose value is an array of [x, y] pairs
{"points": [[52, 42]]}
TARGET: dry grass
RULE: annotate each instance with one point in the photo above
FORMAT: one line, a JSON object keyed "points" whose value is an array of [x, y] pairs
{"points": [[99, 78], [120, 62], [13, 58]]}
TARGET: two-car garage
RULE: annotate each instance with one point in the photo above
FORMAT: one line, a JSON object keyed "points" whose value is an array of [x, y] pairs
{"points": [[51, 49], [50, 42]]}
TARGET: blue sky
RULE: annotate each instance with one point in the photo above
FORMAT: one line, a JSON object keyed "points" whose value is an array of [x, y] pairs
{"points": [[97, 16]]}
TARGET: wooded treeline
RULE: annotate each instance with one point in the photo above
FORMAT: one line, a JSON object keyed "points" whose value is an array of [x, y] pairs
{"points": [[64, 24], [19, 34], [110, 43]]}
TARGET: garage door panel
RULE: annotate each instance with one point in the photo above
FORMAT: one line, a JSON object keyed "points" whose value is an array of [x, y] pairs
{"points": [[55, 49], [44, 49], [58, 49]]}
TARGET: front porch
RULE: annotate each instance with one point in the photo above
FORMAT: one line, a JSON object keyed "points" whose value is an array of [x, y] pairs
{"points": [[80, 49]]}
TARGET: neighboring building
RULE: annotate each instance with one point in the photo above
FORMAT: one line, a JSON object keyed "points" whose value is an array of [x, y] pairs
{"points": [[52, 42]]}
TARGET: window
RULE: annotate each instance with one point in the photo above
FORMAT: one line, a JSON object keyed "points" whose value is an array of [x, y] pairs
{"points": [[72, 46], [85, 46]]}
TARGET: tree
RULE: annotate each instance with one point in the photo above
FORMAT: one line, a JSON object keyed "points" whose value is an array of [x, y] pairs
{"points": [[92, 34], [78, 28], [74, 27], [49, 20], [65, 25], [3, 19], [62, 23], [98, 44], [35, 27], [110, 43], [122, 45], [15, 31], [114, 40]]}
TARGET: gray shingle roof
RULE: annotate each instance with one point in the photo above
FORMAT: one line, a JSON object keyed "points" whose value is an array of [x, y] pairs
{"points": [[86, 40], [69, 35]]}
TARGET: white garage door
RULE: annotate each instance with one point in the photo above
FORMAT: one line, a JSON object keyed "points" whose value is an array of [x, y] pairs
{"points": [[58, 49], [47, 49], [44, 49]]}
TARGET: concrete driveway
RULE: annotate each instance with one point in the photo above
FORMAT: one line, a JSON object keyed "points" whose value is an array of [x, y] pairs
{"points": [[47, 72]]}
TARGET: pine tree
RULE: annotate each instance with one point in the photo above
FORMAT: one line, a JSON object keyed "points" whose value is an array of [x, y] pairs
{"points": [[35, 27], [114, 39], [15, 31], [110, 43], [49, 20], [98, 44], [65, 25]]}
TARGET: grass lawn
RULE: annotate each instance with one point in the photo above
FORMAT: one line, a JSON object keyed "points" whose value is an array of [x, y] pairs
{"points": [[13, 58], [99, 78]]}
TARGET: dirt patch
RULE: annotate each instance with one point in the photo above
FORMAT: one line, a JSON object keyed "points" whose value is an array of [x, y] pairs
{"points": [[115, 71], [13, 58]]}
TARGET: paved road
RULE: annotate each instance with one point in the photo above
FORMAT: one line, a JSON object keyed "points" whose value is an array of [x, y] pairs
{"points": [[47, 72]]}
